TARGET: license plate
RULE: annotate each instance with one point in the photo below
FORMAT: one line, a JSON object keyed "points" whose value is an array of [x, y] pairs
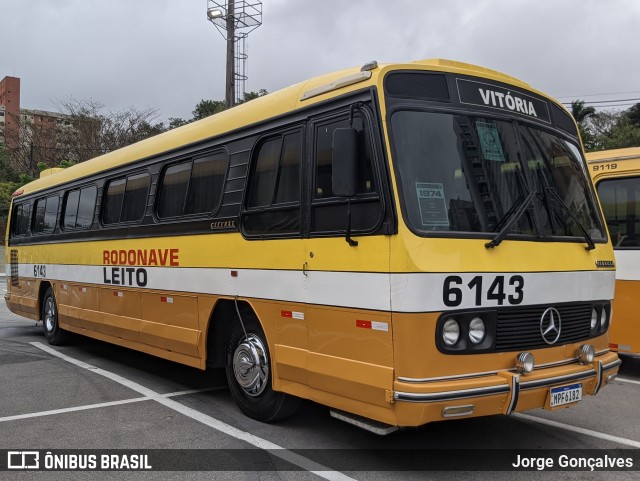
{"points": [[565, 395]]}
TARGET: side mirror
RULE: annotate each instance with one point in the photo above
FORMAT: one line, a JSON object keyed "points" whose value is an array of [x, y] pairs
{"points": [[344, 163]]}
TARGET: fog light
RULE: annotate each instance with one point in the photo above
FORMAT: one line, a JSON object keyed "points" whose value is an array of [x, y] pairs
{"points": [[594, 318], [450, 332], [525, 362], [586, 353], [477, 330]]}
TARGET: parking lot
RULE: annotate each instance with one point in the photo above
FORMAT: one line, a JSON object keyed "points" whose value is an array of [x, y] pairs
{"points": [[94, 396]]}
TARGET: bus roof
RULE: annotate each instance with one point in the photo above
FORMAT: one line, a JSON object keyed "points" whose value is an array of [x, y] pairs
{"points": [[616, 154], [257, 110]]}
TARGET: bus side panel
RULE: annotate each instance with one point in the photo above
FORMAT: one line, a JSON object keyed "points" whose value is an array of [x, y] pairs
{"points": [[624, 333], [170, 322]]}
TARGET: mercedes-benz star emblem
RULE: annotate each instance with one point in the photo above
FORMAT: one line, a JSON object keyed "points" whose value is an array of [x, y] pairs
{"points": [[550, 325]]}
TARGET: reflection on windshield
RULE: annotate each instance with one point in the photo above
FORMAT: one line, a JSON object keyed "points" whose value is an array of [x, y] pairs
{"points": [[468, 174]]}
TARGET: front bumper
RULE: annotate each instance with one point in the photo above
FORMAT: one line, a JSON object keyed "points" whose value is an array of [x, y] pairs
{"points": [[501, 392]]}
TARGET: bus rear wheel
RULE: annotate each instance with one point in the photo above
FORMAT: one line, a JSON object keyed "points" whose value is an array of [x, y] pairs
{"points": [[248, 369], [54, 334]]}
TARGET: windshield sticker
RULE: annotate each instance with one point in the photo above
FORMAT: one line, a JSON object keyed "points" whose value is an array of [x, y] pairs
{"points": [[432, 203], [490, 141]]}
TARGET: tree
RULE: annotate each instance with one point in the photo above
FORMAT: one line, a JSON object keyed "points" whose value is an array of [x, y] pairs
{"points": [[633, 114], [253, 95], [207, 108], [93, 130], [611, 129], [580, 112]]}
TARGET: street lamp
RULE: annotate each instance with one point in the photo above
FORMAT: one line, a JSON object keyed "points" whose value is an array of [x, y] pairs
{"points": [[234, 19]]}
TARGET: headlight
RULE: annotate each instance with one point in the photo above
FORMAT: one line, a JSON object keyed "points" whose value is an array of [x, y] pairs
{"points": [[603, 319], [450, 332], [477, 330], [594, 318]]}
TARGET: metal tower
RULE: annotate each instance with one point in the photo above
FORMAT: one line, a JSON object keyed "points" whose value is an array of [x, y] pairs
{"points": [[235, 19]]}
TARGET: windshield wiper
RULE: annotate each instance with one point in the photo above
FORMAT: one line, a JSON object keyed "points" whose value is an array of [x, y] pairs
{"points": [[558, 199], [515, 216]]}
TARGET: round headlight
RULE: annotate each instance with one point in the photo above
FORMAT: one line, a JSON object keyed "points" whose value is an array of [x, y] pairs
{"points": [[594, 318], [477, 330], [450, 332]]}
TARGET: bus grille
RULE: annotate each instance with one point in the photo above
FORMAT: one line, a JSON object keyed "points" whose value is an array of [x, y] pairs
{"points": [[519, 329]]}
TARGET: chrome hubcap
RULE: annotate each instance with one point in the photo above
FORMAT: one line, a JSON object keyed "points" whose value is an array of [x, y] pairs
{"points": [[251, 365], [49, 314]]}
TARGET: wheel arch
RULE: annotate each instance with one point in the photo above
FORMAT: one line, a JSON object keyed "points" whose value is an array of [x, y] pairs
{"points": [[42, 289], [220, 321]]}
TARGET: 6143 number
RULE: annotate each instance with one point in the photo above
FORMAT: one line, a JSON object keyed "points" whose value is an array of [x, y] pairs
{"points": [[454, 289]]}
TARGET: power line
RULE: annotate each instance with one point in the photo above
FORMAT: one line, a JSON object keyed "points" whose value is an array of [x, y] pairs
{"points": [[605, 101], [597, 95]]}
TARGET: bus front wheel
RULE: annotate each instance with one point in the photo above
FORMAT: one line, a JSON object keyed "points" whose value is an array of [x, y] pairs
{"points": [[248, 369], [52, 331]]}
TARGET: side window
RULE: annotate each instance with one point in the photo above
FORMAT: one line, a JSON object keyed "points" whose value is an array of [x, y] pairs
{"points": [[329, 213], [79, 207], [46, 214], [620, 199], [22, 219], [126, 199], [193, 186], [272, 205]]}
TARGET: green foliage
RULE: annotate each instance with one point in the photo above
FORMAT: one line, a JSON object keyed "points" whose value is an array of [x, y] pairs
{"points": [[66, 163], [7, 172], [7, 188], [580, 112], [207, 108], [609, 129]]}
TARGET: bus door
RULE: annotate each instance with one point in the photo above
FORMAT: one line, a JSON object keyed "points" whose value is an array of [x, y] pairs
{"points": [[272, 222], [347, 274]]}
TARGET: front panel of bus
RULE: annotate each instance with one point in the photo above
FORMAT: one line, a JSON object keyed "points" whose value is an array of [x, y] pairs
{"points": [[502, 274], [617, 181]]}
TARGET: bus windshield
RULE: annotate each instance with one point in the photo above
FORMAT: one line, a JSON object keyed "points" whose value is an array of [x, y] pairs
{"points": [[463, 173]]}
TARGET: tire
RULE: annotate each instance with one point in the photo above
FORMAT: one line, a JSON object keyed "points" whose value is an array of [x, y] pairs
{"points": [[54, 334], [248, 369]]}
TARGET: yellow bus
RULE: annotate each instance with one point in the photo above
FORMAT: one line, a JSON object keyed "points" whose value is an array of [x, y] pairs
{"points": [[616, 174], [403, 243]]}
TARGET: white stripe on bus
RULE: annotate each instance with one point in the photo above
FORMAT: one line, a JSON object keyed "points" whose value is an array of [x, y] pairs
{"points": [[628, 265], [399, 292]]}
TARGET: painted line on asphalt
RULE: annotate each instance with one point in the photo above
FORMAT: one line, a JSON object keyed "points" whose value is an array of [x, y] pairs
{"points": [[630, 381], [576, 429], [73, 409], [52, 412], [274, 449]]}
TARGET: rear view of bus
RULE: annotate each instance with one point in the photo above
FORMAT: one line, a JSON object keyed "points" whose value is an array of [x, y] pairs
{"points": [[616, 174], [502, 273]]}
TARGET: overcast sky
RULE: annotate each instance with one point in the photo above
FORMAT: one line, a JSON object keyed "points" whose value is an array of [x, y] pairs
{"points": [[164, 54]]}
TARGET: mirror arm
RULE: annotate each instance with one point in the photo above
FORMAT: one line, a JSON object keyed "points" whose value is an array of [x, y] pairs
{"points": [[350, 241]]}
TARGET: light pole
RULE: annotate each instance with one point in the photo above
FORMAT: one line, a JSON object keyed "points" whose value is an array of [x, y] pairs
{"points": [[230, 17]]}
